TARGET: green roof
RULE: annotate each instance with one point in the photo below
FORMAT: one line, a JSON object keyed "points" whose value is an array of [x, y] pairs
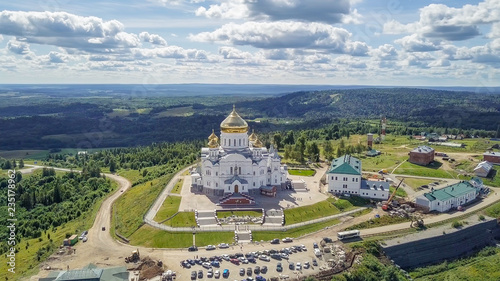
{"points": [[346, 165], [451, 191], [90, 273]]}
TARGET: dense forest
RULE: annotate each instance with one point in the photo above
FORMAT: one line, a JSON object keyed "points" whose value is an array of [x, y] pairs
{"points": [[124, 121], [46, 200]]}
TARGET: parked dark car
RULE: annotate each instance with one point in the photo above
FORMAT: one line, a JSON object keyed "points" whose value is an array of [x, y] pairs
{"points": [[275, 241], [193, 248]]}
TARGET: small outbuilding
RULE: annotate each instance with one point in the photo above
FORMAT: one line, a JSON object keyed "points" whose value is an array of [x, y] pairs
{"points": [[483, 169], [422, 155], [492, 157]]}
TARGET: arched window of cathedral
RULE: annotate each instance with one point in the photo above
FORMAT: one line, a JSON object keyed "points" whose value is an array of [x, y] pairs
{"points": [[239, 142], [239, 170], [224, 142], [234, 142], [231, 171]]}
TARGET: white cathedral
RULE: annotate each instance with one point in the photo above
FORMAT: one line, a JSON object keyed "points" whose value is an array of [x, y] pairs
{"points": [[238, 164]]}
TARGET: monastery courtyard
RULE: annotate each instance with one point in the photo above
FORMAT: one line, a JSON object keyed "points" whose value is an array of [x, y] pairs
{"points": [[284, 198]]}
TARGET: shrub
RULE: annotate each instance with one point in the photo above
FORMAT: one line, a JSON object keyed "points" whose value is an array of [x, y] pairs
{"points": [[457, 224]]}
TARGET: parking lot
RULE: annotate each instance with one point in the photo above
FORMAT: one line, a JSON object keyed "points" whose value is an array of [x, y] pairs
{"points": [[298, 261]]}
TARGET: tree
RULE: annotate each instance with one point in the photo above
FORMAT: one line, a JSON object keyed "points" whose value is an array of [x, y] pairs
{"points": [[312, 151], [301, 147], [7, 165], [21, 163], [277, 140], [328, 150], [14, 165], [57, 193], [112, 165]]}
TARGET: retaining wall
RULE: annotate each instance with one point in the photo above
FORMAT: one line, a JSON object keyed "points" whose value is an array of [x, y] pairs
{"points": [[443, 246]]}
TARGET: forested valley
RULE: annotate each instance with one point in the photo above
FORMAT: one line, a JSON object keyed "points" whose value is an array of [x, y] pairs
{"points": [[126, 121]]}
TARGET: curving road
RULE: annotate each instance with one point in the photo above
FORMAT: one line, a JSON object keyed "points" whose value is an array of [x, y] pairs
{"points": [[103, 250]]}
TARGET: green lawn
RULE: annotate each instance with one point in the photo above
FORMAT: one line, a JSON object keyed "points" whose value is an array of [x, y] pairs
{"points": [[376, 222], [178, 187], [310, 212], [182, 219], [130, 208], [26, 258], [304, 173], [225, 214], [131, 175], [433, 170], [493, 210], [416, 183], [169, 207], [148, 236], [401, 192], [296, 232]]}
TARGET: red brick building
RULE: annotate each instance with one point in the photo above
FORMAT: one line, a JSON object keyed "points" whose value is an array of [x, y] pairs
{"points": [[492, 157], [422, 155]]}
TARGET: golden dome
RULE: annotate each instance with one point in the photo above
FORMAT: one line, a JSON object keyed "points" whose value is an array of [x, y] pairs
{"points": [[258, 144], [252, 137], [213, 136], [213, 143], [234, 123]]}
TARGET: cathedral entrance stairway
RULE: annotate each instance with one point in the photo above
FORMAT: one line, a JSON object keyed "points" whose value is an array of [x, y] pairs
{"points": [[206, 218], [242, 234], [274, 217], [236, 199]]}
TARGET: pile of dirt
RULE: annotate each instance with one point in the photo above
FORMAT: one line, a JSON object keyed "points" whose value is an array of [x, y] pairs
{"points": [[149, 268]]}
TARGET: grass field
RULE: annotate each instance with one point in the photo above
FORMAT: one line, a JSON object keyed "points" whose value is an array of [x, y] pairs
{"points": [[310, 212], [148, 236], [493, 210], [483, 266], [130, 208], [296, 232], [401, 192], [182, 219], [131, 175], [415, 183], [169, 207], [304, 173], [225, 214], [376, 222], [434, 170], [178, 187], [18, 154], [26, 258], [176, 111]]}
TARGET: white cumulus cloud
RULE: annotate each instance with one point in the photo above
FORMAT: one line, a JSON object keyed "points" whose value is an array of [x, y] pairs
{"points": [[302, 10], [154, 39], [286, 34]]}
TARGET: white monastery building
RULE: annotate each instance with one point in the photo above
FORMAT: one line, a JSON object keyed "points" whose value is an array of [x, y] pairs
{"points": [[238, 163], [344, 177]]}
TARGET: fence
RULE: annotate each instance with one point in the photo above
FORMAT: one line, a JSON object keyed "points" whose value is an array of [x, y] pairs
{"points": [[224, 228]]}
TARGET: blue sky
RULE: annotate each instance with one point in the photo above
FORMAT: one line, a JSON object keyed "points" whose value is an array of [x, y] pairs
{"points": [[341, 42]]}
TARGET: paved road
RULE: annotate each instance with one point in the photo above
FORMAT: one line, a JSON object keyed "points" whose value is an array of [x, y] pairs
{"points": [[103, 250]]}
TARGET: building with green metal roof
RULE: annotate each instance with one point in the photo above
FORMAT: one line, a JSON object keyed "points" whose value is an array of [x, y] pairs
{"points": [[447, 198], [89, 273], [344, 177]]}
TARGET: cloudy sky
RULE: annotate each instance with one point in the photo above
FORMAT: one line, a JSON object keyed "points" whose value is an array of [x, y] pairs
{"points": [[337, 42]]}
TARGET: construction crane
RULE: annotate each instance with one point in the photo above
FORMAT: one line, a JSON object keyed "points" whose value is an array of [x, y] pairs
{"points": [[386, 205]]}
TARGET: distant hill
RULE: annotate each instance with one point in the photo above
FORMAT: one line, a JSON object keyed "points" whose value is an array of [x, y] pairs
{"points": [[90, 116]]}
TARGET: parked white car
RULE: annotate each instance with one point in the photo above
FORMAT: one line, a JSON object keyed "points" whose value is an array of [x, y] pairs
{"points": [[223, 246], [264, 258]]}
